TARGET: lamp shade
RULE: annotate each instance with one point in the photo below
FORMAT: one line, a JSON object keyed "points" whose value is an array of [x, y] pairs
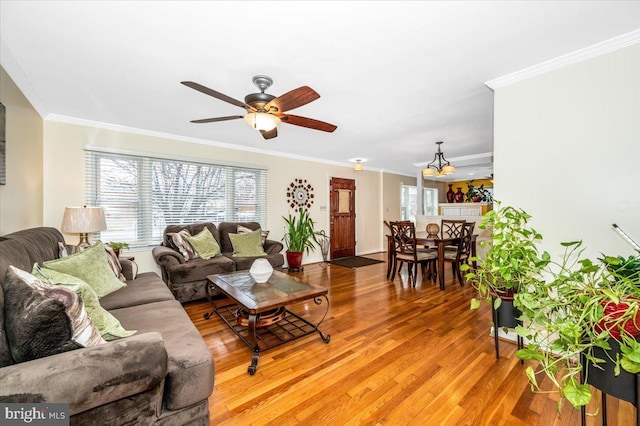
{"points": [[428, 172], [79, 220], [448, 170], [358, 166], [262, 120]]}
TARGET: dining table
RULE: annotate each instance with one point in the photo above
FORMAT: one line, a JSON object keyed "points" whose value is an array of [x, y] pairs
{"points": [[427, 240]]}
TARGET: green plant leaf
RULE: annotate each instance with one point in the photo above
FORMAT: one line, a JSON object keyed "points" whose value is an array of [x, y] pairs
{"points": [[531, 375], [577, 394], [630, 366], [475, 303], [529, 354], [497, 302], [521, 331]]}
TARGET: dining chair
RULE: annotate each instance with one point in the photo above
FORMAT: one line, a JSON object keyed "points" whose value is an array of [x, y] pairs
{"points": [[463, 252], [406, 250], [451, 228]]}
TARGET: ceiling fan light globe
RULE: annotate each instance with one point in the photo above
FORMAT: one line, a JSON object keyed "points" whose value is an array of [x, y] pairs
{"points": [[262, 120]]}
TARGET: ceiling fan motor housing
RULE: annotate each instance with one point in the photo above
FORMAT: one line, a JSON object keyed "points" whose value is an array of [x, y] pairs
{"points": [[258, 100]]}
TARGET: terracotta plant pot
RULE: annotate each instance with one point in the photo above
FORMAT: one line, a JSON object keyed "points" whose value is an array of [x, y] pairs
{"points": [[613, 311], [294, 260]]}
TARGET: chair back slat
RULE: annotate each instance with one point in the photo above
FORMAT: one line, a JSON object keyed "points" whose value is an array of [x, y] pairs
{"points": [[452, 228], [403, 234]]}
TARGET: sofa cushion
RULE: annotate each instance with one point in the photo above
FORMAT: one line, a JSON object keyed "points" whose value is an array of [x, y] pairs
{"points": [[83, 330], [245, 245], [193, 229], [245, 230], [108, 326], [180, 242], [204, 244], [190, 366], [114, 263], [198, 269], [5, 353], [227, 228], [90, 265], [146, 288], [37, 325]]}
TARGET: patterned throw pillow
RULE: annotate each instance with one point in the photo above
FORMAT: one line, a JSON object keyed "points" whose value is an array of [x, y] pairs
{"points": [[43, 320], [205, 244], [180, 242], [91, 266], [247, 245], [62, 250], [108, 326], [114, 263], [245, 230]]}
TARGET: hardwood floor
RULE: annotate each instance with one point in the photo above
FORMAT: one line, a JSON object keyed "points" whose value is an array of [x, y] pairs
{"points": [[398, 355]]}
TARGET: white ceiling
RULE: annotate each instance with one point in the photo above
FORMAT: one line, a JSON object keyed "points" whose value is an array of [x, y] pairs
{"points": [[395, 77]]}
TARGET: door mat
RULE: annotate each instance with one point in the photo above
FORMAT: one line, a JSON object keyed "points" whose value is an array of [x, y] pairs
{"points": [[355, 261]]}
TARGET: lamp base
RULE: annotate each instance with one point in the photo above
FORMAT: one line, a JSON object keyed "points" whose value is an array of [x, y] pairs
{"points": [[84, 242]]}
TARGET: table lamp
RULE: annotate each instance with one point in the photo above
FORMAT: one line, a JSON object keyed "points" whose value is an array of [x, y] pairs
{"points": [[83, 220]]}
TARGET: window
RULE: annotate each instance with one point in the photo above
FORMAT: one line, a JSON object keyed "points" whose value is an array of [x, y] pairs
{"points": [[430, 201], [409, 202], [142, 195]]}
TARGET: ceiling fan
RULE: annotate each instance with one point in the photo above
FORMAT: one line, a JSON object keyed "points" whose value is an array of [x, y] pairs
{"points": [[265, 111]]}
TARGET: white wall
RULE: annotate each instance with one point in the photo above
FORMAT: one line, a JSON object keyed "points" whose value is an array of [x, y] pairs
{"points": [[567, 151], [21, 197], [64, 180]]}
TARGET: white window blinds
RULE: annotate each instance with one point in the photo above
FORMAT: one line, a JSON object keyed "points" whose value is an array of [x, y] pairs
{"points": [[142, 195]]}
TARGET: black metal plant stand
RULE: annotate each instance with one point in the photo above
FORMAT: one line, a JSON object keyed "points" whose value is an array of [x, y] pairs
{"points": [[505, 316], [625, 386]]}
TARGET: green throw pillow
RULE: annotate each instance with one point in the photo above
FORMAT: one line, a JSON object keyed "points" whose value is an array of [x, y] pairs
{"points": [[204, 244], [91, 266], [108, 326], [247, 245]]}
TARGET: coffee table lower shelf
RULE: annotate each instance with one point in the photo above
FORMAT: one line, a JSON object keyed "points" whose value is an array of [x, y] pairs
{"points": [[291, 327]]}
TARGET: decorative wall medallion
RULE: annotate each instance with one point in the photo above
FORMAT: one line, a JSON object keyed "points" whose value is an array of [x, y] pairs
{"points": [[300, 194]]}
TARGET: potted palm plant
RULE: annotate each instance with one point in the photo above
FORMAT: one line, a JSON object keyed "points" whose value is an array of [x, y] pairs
{"points": [[583, 325], [300, 237]]}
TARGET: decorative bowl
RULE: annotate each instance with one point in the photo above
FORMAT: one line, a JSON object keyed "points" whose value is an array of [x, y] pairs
{"points": [[261, 270], [433, 229]]}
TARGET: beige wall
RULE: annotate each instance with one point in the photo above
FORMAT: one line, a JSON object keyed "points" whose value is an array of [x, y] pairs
{"points": [[567, 150], [21, 198], [64, 180]]}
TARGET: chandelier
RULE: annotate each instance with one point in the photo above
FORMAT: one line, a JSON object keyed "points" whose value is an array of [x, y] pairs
{"points": [[439, 166]]}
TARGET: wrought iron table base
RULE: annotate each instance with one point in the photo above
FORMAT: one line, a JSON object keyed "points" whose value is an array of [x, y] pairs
{"points": [[259, 339]]}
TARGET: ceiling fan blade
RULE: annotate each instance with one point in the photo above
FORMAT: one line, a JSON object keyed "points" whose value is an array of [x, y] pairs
{"points": [[293, 99], [216, 94], [212, 120], [269, 134], [308, 122]]}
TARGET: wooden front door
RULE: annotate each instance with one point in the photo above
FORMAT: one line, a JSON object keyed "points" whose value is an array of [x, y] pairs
{"points": [[342, 218]]}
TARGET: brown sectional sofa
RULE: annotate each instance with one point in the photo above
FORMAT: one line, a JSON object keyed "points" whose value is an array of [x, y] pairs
{"points": [[188, 279], [164, 374]]}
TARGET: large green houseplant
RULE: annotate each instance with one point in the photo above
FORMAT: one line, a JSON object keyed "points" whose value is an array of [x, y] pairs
{"points": [[575, 316], [478, 194], [512, 260], [300, 236]]}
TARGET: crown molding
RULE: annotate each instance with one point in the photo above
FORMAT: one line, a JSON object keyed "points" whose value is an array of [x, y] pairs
{"points": [[144, 132], [598, 49]]}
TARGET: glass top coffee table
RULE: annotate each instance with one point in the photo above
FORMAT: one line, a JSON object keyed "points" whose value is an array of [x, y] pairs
{"points": [[257, 313]]}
